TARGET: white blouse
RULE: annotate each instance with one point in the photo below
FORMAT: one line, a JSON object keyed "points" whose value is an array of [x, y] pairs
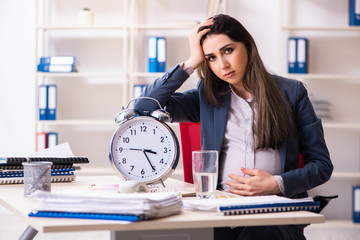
{"points": [[238, 149]]}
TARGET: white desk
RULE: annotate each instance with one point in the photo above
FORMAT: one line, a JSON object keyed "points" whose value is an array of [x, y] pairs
{"points": [[11, 197]]}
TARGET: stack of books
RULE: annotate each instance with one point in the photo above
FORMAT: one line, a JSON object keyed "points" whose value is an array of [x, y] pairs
{"points": [[57, 64], [109, 205], [63, 168]]}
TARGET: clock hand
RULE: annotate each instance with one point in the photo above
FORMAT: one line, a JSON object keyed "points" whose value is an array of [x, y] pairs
{"points": [[143, 150], [153, 168], [136, 149], [149, 151]]}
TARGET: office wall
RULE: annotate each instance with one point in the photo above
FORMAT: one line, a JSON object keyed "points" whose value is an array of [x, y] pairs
{"points": [[17, 63]]}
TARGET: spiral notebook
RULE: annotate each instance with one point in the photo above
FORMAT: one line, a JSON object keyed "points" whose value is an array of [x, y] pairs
{"points": [[252, 205]]}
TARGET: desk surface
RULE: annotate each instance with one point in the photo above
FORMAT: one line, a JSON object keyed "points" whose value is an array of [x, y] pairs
{"points": [[11, 197]]}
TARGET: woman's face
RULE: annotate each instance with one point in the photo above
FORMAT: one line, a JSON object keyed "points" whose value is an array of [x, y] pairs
{"points": [[226, 58]]}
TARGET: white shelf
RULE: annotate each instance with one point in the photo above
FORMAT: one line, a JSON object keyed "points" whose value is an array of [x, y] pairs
{"points": [[176, 26], [156, 74], [76, 122], [45, 28], [346, 175], [328, 29], [81, 74], [340, 77], [353, 126]]}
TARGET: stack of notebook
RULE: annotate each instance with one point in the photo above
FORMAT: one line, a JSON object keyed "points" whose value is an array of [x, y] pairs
{"points": [[63, 168], [89, 204], [252, 205]]}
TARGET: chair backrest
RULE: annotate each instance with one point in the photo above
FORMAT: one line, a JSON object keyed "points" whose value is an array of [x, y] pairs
{"points": [[191, 141]]}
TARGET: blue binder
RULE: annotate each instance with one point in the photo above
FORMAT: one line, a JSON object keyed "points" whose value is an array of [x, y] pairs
{"points": [[58, 60], [56, 68], [51, 101], [161, 54], [42, 102], [292, 51], [302, 55], [52, 139], [152, 53], [356, 204], [354, 12]]}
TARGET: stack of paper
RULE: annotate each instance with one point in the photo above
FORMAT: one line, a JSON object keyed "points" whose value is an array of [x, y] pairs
{"points": [[76, 203], [250, 205]]}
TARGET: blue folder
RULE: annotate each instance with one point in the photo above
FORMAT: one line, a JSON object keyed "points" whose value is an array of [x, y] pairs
{"points": [[354, 12], [152, 53], [97, 216]]}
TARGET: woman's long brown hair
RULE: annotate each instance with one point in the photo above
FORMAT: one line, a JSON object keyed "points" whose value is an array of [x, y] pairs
{"points": [[275, 122]]}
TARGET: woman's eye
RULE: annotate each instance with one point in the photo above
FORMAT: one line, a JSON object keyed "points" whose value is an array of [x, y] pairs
{"points": [[211, 58], [229, 50]]}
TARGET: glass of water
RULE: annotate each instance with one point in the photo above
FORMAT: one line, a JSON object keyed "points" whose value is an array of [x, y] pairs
{"points": [[205, 172]]}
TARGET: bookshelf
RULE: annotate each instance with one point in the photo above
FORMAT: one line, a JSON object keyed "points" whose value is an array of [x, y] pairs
{"points": [[112, 58], [334, 43]]}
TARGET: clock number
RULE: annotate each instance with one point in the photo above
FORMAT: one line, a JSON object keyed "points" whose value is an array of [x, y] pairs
{"points": [[162, 139], [165, 150], [121, 149], [154, 131], [133, 132], [126, 140], [132, 167], [154, 169], [162, 161], [124, 161], [143, 129], [142, 172]]}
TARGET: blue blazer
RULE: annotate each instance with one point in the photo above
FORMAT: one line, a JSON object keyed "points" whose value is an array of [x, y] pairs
{"points": [[192, 106]]}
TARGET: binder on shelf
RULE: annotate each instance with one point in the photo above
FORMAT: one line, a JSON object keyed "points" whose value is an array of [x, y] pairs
{"points": [[42, 94], [52, 139], [151, 53], [161, 54], [41, 141], [354, 12], [292, 55], [52, 102], [47, 102], [138, 88], [302, 55], [58, 60], [65, 68], [356, 204]]}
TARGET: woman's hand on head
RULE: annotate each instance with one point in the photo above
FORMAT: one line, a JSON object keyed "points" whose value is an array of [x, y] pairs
{"points": [[259, 183], [196, 52]]}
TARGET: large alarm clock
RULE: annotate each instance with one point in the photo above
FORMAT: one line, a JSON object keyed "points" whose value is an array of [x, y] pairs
{"points": [[144, 148]]}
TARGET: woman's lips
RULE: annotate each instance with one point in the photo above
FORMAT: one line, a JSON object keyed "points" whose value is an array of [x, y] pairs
{"points": [[229, 74]]}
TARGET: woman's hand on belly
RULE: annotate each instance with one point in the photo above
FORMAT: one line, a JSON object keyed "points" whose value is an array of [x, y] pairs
{"points": [[259, 183]]}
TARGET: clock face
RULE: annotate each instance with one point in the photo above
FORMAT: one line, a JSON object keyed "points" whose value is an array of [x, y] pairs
{"points": [[144, 149]]}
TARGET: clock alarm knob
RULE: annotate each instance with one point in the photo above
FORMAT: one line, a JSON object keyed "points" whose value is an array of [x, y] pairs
{"points": [[161, 115], [124, 115]]}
